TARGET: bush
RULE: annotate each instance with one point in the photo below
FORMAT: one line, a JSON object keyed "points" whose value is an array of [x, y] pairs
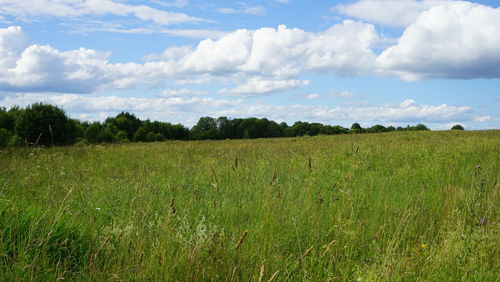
{"points": [[44, 124], [4, 137], [457, 127]]}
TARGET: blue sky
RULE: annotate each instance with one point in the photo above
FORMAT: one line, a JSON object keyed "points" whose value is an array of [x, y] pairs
{"points": [[386, 62]]}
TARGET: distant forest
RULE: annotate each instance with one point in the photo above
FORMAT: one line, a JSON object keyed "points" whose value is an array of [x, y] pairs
{"points": [[47, 125]]}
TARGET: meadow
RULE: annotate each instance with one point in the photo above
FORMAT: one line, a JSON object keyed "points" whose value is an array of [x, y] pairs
{"points": [[390, 206]]}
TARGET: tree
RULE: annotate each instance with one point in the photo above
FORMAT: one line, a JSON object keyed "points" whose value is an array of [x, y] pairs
{"points": [[141, 135], [45, 124], [125, 122], [457, 127], [4, 137], [377, 128], [92, 132], [356, 126], [7, 120], [421, 126], [206, 128]]}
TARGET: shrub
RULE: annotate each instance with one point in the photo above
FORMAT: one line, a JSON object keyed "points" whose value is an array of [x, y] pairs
{"points": [[45, 124], [4, 137]]}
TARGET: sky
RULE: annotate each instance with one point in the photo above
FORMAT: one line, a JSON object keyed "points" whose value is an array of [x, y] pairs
{"points": [[390, 62]]}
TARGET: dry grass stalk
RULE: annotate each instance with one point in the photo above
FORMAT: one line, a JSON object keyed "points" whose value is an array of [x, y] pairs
{"points": [[274, 276], [261, 273], [329, 246], [242, 238], [306, 252]]}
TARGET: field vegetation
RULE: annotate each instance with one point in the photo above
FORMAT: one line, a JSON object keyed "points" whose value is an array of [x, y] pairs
{"points": [[391, 206]]}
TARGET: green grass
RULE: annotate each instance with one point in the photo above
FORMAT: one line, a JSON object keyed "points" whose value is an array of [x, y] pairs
{"points": [[392, 206]]}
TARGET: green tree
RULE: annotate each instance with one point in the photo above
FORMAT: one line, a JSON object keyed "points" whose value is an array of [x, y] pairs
{"points": [[7, 120], [422, 127], [356, 126], [92, 132], [126, 122], [377, 128], [457, 127], [141, 135], [206, 128], [45, 124], [5, 137]]}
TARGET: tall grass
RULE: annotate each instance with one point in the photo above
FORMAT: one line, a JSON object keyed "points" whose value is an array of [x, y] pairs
{"points": [[392, 206]]}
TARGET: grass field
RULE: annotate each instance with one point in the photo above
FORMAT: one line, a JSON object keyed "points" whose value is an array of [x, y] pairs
{"points": [[391, 206]]}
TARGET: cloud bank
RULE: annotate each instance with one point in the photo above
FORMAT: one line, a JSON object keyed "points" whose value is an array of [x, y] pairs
{"points": [[174, 108], [458, 40], [26, 9]]}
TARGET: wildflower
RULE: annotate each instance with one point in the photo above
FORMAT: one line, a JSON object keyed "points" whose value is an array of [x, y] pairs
{"points": [[482, 221], [423, 245], [97, 209]]}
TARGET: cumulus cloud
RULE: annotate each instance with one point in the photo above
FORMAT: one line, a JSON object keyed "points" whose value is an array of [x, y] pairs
{"points": [[343, 49], [458, 40], [29, 9], [27, 67], [259, 86], [398, 13], [454, 41]]}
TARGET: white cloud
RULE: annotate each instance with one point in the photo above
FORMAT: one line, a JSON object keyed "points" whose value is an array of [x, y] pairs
{"points": [[454, 41], [258, 86], [406, 112], [184, 92], [175, 109], [176, 3], [185, 33], [167, 109], [313, 96], [12, 44], [257, 10], [482, 119], [343, 49], [33, 67], [227, 11], [388, 12], [342, 94], [170, 53], [30, 9]]}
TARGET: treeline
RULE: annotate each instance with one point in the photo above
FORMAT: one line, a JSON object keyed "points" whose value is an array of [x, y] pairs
{"points": [[48, 125]]}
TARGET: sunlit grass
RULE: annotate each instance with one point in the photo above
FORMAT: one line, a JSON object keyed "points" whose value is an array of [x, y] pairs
{"points": [[393, 206]]}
